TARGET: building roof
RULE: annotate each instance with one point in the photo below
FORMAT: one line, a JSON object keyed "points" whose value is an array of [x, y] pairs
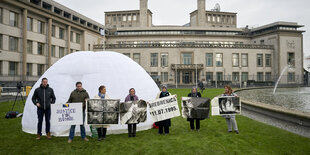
{"points": [[279, 23]]}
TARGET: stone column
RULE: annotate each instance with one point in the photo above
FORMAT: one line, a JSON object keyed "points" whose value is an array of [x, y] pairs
{"points": [[83, 41], [68, 39], [143, 13], [49, 43], [24, 61]]}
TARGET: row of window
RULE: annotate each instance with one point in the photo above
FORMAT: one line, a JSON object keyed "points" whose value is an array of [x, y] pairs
{"points": [[13, 69], [220, 19], [175, 32], [120, 18]]}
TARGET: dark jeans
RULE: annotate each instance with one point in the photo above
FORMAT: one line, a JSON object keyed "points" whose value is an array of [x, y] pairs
{"points": [[191, 122], [47, 114], [102, 132], [161, 128], [82, 129], [132, 129]]}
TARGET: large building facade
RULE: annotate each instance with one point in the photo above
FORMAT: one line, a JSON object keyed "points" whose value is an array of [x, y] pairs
{"points": [[34, 34], [210, 48]]}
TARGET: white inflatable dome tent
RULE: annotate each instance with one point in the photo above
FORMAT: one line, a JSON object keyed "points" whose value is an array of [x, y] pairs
{"points": [[116, 71]]}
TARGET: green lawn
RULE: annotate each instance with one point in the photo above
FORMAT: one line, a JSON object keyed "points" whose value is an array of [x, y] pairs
{"points": [[254, 138]]}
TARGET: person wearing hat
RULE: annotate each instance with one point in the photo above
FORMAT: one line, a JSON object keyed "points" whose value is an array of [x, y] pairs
{"points": [[164, 124], [194, 93]]}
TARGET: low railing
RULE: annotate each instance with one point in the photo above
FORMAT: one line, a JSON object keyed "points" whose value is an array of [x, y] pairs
{"points": [[186, 66], [181, 45]]}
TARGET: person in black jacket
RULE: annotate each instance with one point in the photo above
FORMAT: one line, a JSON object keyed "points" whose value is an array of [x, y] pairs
{"points": [[194, 93], [43, 97], [164, 124]]}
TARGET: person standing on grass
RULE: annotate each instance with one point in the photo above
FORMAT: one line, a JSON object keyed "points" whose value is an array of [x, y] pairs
{"points": [[77, 96], [132, 128], [43, 97], [230, 119], [194, 93], [102, 129], [164, 124]]}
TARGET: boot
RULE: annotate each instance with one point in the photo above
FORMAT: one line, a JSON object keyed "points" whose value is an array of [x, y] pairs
{"points": [[48, 135], [38, 137]]}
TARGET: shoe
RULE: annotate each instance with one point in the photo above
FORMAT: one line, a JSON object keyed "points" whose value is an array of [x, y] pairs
{"points": [[133, 135], [129, 135], [160, 133], [192, 130], [38, 137], [69, 140], [236, 131], [100, 139], [48, 135], [229, 131], [85, 139], [197, 130]]}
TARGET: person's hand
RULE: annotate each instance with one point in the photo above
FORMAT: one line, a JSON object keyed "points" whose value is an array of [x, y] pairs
{"points": [[38, 104]]}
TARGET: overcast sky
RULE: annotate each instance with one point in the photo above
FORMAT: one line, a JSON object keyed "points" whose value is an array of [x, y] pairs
{"points": [[176, 12]]}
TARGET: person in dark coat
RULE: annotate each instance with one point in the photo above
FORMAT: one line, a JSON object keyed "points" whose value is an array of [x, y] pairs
{"points": [[194, 93], [132, 128], [164, 124], [77, 96], [43, 97]]}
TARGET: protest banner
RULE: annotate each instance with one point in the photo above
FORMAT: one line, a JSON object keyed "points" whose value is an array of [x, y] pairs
{"points": [[102, 111], [133, 112], [66, 114], [164, 108], [195, 107], [226, 105]]}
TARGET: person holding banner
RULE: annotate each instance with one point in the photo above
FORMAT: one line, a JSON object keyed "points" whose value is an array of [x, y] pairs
{"points": [[42, 98], [194, 93], [132, 97], [77, 96], [230, 119], [164, 124], [102, 129]]}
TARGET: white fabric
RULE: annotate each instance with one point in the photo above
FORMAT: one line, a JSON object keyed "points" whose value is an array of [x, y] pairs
{"points": [[116, 71]]}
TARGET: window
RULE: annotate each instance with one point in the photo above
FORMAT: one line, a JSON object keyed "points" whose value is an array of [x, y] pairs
{"points": [[209, 76], [29, 24], [40, 69], [124, 18], [244, 60], [219, 60], [134, 17], [53, 53], [260, 76], [127, 54], [259, 60], [1, 41], [129, 18], [209, 18], [164, 59], [290, 77], [40, 27], [13, 68], [53, 30], [1, 15], [71, 36], [219, 76], [136, 57], [114, 19], [13, 19], [164, 77], [235, 60], [244, 76], [13, 44], [77, 38], [291, 59], [61, 52], [209, 59], [61, 33], [262, 42], [154, 59], [29, 69], [268, 76], [187, 58], [29, 46], [154, 76], [235, 76], [40, 48], [268, 60]]}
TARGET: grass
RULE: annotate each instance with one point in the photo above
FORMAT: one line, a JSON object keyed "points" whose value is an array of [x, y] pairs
{"points": [[254, 138]]}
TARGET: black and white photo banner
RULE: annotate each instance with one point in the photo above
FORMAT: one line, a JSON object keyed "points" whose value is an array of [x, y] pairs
{"points": [[226, 105], [102, 111], [195, 107], [133, 112], [164, 108]]}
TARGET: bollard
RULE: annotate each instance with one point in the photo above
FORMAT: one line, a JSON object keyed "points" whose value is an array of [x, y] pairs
{"points": [[28, 88]]}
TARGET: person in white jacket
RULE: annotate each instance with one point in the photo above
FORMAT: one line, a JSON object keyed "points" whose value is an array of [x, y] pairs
{"points": [[101, 129]]}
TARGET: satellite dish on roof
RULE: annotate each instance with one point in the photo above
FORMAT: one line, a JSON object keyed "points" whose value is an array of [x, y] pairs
{"points": [[217, 7]]}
